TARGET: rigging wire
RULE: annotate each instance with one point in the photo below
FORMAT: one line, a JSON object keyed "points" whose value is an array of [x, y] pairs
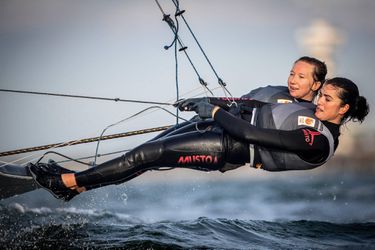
{"points": [[62, 155], [220, 81], [92, 156], [176, 67], [175, 29], [100, 155], [84, 97], [52, 146], [183, 48], [123, 120], [80, 141], [177, 39], [98, 139]]}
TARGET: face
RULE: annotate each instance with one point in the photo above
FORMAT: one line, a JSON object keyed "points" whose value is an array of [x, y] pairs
{"points": [[329, 106], [301, 82]]}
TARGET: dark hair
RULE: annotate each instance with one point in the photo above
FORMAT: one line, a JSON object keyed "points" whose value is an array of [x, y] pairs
{"points": [[320, 68], [349, 94]]}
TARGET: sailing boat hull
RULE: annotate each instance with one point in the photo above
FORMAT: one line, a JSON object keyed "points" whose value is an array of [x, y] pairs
{"points": [[15, 180]]}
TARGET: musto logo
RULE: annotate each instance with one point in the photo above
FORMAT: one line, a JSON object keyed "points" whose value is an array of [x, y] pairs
{"points": [[191, 159], [310, 135]]}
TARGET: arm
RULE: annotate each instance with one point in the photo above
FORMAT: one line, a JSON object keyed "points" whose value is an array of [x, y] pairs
{"points": [[224, 102], [307, 143]]}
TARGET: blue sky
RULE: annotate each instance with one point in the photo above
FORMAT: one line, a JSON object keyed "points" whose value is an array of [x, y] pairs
{"points": [[115, 49]]}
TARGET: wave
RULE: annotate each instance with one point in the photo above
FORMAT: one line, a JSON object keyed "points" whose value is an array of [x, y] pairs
{"points": [[72, 228]]}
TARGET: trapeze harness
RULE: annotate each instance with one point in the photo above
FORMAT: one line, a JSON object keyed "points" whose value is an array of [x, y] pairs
{"points": [[292, 140], [267, 94], [271, 94]]}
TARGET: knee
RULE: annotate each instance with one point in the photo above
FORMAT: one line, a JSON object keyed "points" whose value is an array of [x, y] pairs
{"points": [[146, 153]]}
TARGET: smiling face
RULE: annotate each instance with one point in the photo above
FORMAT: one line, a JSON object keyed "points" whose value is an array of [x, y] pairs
{"points": [[301, 83], [329, 106]]}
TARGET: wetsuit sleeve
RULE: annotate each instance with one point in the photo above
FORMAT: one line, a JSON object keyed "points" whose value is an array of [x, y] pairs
{"points": [[225, 102], [307, 143]]}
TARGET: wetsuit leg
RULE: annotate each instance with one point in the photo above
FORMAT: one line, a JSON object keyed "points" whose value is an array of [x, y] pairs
{"points": [[183, 127], [170, 130], [201, 125], [194, 150]]}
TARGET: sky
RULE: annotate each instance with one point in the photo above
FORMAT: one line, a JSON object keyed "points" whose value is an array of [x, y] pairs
{"points": [[113, 48]]}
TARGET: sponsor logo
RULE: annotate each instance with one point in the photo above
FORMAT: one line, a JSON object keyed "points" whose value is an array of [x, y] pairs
{"points": [[284, 101], [310, 135], [307, 121], [189, 159]]}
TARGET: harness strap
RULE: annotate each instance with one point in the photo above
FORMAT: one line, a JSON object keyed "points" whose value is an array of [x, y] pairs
{"points": [[251, 146]]}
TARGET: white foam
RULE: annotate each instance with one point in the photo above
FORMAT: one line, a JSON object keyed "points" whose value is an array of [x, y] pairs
{"points": [[18, 207]]}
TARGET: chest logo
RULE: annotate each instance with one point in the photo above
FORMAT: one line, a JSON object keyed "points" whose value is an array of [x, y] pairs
{"points": [[307, 121], [284, 101]]}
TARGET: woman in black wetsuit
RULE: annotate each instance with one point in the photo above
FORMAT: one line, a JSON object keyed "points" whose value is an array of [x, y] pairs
{"points": [[274, 137], [306, 77]]}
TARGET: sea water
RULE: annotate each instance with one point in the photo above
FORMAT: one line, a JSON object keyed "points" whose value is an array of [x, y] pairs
{"points": [[294, 212]]}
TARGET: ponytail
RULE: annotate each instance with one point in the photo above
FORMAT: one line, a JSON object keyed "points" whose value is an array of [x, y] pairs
{"points": [[361, 110]]}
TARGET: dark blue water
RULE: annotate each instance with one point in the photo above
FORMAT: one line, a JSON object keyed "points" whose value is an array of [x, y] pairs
{"points": [[281, 212]]}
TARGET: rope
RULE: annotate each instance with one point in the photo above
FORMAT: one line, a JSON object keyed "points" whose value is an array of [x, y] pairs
{"points": [[85, 140], [64, 144], [176, 67], [123, 120], [220, 81], [177, 38], [83, 96], [183, 48], [91, 156]]}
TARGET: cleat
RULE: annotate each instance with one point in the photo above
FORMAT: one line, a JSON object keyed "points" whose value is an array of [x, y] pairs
{"points": [[48, 176]]}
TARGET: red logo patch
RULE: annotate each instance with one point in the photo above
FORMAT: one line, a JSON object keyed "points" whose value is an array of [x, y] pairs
{"points": [[310, 136]]}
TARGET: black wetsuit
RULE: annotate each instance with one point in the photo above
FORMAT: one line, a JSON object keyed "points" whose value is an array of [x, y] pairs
{"points": [[221, 144]]}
